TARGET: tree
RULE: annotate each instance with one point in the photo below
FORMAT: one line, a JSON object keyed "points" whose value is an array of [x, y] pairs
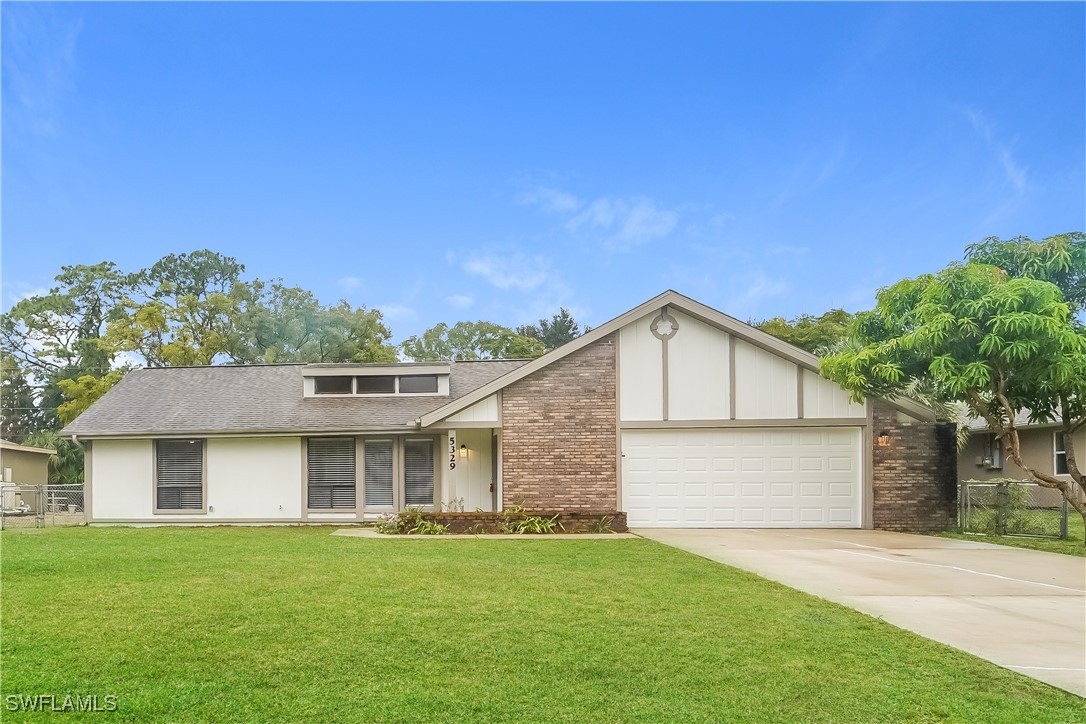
{"points": [[66, 464], [1001, 345], [84, 391], [471, 340], [185, 312], [20, 414], [1059, 259], [814, 334], [556, 331]]}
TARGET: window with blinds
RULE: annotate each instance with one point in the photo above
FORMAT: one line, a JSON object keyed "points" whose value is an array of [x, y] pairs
{"points": [[418, 463], [179, 474], [331, 478], [377, 473]]}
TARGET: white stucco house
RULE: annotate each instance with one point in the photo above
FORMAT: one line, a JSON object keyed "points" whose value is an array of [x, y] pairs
{"points": [[672, 413]]}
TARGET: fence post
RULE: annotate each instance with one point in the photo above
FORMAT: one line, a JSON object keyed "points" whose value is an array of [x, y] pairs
{"points": [[39, 506], [1063, 519], [963, 487], [1001, 508]]}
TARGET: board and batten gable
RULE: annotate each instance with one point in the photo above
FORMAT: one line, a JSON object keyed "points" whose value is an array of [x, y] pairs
{"points": [[486, 411], [247, 478], [690, 376]]}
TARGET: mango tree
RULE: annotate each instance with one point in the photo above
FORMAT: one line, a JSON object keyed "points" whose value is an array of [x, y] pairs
{"points": [[1004, 346]]}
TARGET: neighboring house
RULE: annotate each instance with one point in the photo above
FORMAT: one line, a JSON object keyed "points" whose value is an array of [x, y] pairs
{"points": [[1041, 445], [22, 465], [673, 412]]}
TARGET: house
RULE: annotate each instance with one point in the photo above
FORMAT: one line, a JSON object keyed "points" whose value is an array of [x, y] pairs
{"points": [[1041, 445], [22, 465], [673, 413]]}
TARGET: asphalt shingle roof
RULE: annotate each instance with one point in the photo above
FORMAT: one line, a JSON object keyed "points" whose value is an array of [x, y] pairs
{"points": [[258, 398]]}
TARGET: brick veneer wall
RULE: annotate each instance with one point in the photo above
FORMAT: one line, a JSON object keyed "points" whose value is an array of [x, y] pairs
{"points": [[560, 434], [915, 476]]}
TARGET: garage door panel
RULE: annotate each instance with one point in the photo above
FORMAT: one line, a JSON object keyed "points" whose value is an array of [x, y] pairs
{"points": [[799, 477]]}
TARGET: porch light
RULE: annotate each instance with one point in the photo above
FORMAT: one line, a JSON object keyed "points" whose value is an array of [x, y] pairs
{"points": [[884, 439], [463, 451]]}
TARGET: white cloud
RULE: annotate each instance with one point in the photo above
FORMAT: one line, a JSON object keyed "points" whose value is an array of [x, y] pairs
{"points": [[512, 271], [460, 301], [397, 311], [349, 284], [551, 200], [1015, 175], [761, 286], [625, 222]]}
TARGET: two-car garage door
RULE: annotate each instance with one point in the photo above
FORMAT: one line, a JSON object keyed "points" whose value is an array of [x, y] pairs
{"points": [[743, 478]]}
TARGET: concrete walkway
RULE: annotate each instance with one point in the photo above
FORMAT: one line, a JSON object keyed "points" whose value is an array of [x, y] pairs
{"points": [[1024, 610]]}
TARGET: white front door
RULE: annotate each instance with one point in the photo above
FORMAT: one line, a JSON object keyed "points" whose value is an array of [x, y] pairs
{"points": [[743, 478]]}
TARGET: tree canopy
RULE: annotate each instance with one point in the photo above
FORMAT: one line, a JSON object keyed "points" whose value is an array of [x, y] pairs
{"points": [[999, 344], [470, 341], [1059, 259], [556, 331], [816, 334]]}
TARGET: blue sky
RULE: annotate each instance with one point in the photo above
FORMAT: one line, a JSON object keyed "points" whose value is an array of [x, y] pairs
{"points": [[447, 162]]}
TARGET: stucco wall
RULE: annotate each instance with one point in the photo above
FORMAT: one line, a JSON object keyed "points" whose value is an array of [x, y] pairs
{"points": [[27, 468], [247, 479], [560, 434], [1036, 451]]}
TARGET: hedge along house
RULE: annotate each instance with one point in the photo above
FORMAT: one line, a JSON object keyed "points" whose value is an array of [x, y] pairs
{"points": [[674, 413]]}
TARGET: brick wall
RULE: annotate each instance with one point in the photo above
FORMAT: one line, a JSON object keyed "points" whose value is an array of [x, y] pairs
{"points": [[560, 432], [915, 475]]}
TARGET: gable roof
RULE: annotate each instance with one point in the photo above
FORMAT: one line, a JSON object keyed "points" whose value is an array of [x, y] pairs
{"points": [[670, 298], [254, 399]]}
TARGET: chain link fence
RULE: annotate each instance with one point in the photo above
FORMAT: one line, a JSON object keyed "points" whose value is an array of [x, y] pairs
{"points": [[41, 506], [1011, 507]]}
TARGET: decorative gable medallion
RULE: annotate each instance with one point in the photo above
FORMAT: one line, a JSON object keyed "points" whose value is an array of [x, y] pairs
{"points": [[664, 326]]}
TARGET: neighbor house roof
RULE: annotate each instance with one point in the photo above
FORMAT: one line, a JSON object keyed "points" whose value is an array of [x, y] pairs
{"points": [[248, 399], [1021, 420], [9, 445]]}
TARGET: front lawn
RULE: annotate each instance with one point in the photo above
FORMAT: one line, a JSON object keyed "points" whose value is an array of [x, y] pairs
{"points": [[296, 624], [1072, 546]]}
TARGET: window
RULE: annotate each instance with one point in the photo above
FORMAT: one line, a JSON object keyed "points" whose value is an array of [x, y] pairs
{"points": [[1059, 462], [418, 384], [332, 385], [330, 478], [377, 473], [379, 385], [179, 475], [418, 463]]}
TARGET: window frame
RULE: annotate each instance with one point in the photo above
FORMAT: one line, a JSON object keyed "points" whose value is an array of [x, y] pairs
{"points": [[202, 510], [348, 393], [1058, 448], [436, 391], [395, 385], [305, 478], [435, 463]]}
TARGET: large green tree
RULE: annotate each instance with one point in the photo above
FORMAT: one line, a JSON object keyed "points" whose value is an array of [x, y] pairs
{"points": [[816, 334], [1001, 345], [469, 341], [1059, 259], [556, 331], [184, 311], [20, 414]]}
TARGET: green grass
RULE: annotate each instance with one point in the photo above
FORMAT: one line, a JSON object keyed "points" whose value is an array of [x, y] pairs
{"points": [[293, 624], [1074, 545]]}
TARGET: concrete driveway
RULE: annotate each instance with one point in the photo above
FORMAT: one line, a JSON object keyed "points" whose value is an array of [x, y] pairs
{"points": [[1022, 609]]}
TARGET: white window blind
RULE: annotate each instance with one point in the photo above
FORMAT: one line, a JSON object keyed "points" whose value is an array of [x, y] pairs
{"points": [[378, 472], [179, 474], [331, 474], [418, 472]]}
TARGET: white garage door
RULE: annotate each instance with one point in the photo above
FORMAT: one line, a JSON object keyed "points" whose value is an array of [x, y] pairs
{"points": [[764, 478]]}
